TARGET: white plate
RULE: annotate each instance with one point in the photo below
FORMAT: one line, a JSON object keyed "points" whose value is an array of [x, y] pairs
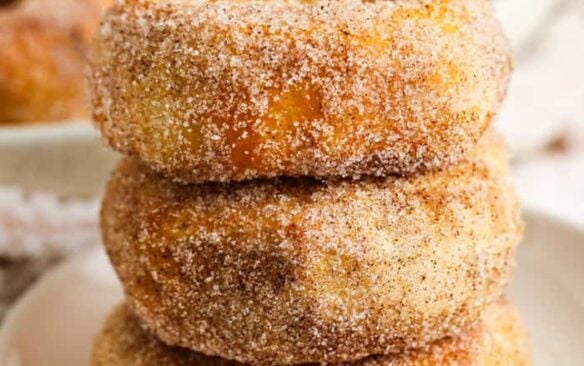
{"points": [[54, 324]]}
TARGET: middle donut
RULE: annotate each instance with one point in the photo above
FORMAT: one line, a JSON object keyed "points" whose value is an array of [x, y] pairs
{"points": [[299, 270]]}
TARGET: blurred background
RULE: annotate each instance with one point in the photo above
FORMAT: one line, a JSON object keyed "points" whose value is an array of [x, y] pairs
{"points": [[53, 168]]}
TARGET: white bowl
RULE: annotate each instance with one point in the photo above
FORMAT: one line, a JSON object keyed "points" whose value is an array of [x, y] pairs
{"points": [[65, 159]]}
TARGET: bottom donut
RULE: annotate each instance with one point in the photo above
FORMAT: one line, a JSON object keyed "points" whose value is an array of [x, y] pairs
{"points": [[498, 340]]}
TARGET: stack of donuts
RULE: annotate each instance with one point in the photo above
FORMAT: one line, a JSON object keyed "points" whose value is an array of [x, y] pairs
{"points": [[306, 182]]}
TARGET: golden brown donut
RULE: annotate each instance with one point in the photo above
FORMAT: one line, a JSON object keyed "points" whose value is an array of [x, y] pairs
{"points": [[234, 90], [298, 270], [43, 45], [498, 340]]}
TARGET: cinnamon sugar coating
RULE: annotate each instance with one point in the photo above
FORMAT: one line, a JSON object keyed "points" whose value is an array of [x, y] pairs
{"points": [[43, 46], [299, 270], [236, 90], [498, 340]]}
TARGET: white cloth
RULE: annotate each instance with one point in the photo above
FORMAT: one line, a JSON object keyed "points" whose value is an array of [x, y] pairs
{"points": [[546, 96], [545, 106], [40, 225], [37, 229]]}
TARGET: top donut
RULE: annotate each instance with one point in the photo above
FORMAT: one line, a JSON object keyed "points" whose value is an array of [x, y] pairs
{"points": [[233, 90]]}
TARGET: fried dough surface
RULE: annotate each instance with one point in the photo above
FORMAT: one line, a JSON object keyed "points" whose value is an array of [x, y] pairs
{"points": [[300, 270], [498, 340], [238, 90]]}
